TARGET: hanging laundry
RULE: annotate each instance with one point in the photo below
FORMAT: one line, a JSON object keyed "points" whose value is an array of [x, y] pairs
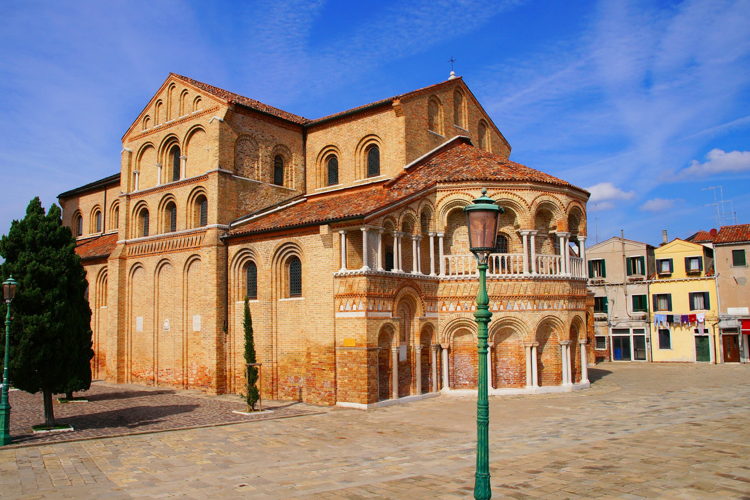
{"points": [[670, 319], [691, 318], [684, 319], [701, 317]]}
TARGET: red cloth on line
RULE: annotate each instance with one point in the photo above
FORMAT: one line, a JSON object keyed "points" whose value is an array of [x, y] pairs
{"points": [[692, 318]]}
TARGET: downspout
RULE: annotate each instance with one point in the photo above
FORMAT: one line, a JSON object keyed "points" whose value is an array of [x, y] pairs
{"points": [[718, 319]]}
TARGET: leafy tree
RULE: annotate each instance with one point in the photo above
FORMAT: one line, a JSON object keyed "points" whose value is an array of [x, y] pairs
{"points": [[51, 332], [253, 395]]}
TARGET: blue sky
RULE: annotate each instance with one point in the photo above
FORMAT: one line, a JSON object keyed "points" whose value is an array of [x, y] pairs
{"points": [[645, 103]]}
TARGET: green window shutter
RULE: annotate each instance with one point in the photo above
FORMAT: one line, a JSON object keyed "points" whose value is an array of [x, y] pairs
{"points": [[591, 269], [629, 266], [654, 305], [706, 300], [604, 268], [636, 302], [738, 258], [669, 302], [643, 264], [606, 305]]}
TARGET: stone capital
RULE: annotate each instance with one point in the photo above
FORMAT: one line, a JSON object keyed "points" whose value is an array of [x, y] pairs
{"points": [[565, 342]]}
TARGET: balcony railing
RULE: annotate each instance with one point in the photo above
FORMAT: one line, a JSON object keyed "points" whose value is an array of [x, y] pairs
{"points": [[512, 264]]}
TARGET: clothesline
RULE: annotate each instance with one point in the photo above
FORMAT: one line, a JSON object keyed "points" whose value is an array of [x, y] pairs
{"points": [[680, 319]]}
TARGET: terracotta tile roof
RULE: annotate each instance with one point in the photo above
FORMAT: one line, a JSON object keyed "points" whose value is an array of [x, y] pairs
{"points": [[233, 98], [702, 237], [733, 234], [96, 247], [455, 161]]}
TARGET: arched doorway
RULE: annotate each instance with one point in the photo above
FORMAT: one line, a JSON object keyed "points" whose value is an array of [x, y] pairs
{"points": [[425, 358], [406, 309], [509, 361], [385, 343], [549, 361]]}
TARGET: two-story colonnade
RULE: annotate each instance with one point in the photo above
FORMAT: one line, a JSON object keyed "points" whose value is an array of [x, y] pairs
{"points": [[348, 237]]}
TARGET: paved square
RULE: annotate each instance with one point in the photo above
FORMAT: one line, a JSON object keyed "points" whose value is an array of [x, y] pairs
{"points": [[642, 430]]}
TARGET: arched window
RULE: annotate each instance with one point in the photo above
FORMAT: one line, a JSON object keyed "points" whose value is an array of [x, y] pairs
{"points": [[373, 161], [458, 109], [332, 167], [114, 217], [434, 119], [197, 103], [174, 157], [98, 221], [501, 244], [251, 280], [482, 139], [201, 211], [78, 224], [157, 112], [142, 229], [170, 217], [278, 170], [295, 276]]}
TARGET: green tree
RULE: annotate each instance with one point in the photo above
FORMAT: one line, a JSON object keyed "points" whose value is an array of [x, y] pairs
{"points": [[253, 395], [51, 332]]}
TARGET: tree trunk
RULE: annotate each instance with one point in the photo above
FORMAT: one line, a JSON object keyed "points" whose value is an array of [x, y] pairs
{"points": [[49, 411]]}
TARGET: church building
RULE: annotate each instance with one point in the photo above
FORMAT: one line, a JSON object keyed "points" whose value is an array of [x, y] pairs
{"points": [[346, 234]]}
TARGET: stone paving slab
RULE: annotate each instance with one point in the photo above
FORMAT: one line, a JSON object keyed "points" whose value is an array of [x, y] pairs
{"points": [[641, 431], [114, 410]]}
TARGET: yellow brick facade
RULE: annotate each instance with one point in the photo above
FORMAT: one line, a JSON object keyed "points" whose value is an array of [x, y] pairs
{"points": [[385, 309]]}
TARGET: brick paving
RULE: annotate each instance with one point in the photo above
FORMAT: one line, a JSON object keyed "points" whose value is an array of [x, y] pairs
{"points": [[114, 410], [641, 431]]}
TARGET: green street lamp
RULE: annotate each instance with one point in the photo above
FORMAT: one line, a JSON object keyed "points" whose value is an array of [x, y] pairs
{"points": [[482, 219], [9, 292]]}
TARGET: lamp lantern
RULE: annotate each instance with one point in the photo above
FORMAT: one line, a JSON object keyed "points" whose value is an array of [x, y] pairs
{"points": [[9, 289], [482, 219]]}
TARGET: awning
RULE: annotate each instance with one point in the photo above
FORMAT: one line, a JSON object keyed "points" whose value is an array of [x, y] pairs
{"points": [[746, 326]]}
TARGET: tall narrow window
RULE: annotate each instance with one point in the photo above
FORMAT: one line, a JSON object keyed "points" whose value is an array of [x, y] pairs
{"points": [[174, 156], [78, 224], [278, 170], [251, 280], [373, 161], [434, 118], [201, 209], [98, 222], [458, 109], [295, 277], [170, 215], [332, 165], [482, 133], [114, 223], [143, 222]]}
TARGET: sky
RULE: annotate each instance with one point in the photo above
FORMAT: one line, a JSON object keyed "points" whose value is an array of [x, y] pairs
{"points": [[646, 104]]}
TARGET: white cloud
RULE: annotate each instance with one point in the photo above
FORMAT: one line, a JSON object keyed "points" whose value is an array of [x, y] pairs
{"points": [[719, 161], [600, 206], [658, 204], [606, 191]]}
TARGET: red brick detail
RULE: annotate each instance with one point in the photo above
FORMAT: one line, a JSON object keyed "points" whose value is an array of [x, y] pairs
{"points": [[464, 361], [509, 363]]}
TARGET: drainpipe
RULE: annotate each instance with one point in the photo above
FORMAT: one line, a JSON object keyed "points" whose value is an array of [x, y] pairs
{"points": [[718, 318]]}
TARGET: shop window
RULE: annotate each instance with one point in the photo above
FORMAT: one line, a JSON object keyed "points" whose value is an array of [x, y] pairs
{"points": [[597, 268], [699, 301], [665, 339], [636, 266], [738, 258], [662, 302]]}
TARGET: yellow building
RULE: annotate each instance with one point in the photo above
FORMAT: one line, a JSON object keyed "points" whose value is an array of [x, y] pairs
{"points": [[683, 303]]}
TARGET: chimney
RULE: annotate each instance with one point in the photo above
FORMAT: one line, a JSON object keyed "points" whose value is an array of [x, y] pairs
{"points": [[664, 237]]}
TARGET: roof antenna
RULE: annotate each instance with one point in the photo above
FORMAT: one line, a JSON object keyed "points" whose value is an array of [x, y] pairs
{"points": [[453, 73]]}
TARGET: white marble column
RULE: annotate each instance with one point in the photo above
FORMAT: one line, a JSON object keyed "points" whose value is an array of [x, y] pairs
{"points": [[432, 253], [446, 379], [525, 240], [529, 366], [441, 260], [343, 251], [566, 365], [183, 166], [419, 255], [490, 383], [394, 372], [418, 367], [380, 249], [414, 255], [564, 264], [584, 363], [365, 260], [433, 364], [582, 252], [158, 174], [533, 251]]}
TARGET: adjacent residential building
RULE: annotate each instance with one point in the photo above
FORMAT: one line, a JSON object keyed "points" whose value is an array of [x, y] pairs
{"points": [[684, 307], [731, 251], [618, 271]]}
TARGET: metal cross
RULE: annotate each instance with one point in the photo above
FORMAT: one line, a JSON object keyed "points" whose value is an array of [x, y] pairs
{"points": [[451, 60]]}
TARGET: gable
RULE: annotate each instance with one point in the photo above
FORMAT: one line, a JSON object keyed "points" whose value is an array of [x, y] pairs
{"points": [[175, 99], [679, 246]]}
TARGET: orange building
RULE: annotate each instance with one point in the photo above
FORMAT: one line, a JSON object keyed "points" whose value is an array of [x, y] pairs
{"points": [[347, 235]]}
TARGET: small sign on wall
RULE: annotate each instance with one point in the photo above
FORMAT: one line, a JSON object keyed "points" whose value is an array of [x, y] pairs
{"points": [[139, 323], [402, 352], [196, 322], [165, 325]]}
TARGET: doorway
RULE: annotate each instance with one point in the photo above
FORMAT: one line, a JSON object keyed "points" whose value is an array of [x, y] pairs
{"points": [[702, 348], [731, 348]]}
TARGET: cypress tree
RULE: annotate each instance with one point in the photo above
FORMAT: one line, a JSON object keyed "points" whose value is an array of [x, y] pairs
{"points": [[51, 332], [252, 371]]}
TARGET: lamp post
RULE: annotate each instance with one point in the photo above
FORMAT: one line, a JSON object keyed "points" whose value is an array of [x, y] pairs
{"points": [[482, 219], [9, 291]]}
